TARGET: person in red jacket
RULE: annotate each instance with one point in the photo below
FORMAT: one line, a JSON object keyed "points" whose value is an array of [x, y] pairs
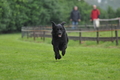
{"points": [[95, 14]]}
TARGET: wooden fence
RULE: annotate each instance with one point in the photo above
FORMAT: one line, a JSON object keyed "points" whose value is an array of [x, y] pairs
{"points": [[44, 32]]}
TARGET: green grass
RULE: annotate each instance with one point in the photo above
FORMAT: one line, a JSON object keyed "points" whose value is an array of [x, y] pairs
{"points": [[23, 59]]}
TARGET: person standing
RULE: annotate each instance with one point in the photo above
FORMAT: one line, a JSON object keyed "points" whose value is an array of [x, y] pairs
{"points": [[75, 17], [95, 15]]}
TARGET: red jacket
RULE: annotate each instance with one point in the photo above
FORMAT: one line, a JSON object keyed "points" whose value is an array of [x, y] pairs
{"points": [[95, 14]]}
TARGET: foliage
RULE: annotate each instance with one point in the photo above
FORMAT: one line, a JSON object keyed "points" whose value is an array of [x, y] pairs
{"points": [[118, 12], [111, 12], [18, 13]]}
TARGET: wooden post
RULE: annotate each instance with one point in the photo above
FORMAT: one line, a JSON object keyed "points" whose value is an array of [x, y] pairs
{"points": [[34, 35], [97, 35], [116, 35], [43, 35], [27, 28], [111, 34], [27, 34], [22, 32], [80, 39], [40, 34], [119, 22]]}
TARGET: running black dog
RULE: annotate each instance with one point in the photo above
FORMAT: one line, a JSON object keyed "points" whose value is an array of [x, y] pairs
{"points": [[59, 39]]}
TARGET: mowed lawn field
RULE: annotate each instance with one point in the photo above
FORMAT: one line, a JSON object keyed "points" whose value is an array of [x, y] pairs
{"points": [[28, 60]]}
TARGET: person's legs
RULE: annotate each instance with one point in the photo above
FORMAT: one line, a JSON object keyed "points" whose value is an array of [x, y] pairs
{"points": [[76, 24], [94, 24], [73, 24]]}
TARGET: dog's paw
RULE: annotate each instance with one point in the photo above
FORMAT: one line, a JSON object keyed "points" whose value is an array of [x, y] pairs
{"points": [[63, 53], [58, 57]]}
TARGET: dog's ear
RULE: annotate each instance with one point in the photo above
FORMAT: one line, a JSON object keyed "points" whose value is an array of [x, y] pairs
{"points": [[63, 23], [53, 24]]}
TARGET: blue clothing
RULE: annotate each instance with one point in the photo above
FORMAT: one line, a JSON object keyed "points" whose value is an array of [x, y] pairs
{"points": [[74, 24]]}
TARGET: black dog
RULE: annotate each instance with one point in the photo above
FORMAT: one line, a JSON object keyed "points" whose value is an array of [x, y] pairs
{"points": [[59, 39]]}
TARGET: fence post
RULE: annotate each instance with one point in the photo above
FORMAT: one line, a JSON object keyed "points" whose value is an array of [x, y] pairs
{"points": [[119, 23], [111, 33], [34, 35], [22, 32], [80, 34], [27, 34], [97, 35], [116, 35], [43, 35]]}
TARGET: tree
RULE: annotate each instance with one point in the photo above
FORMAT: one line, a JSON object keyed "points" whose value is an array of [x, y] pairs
{"points": [[5, 14], [118, 12], [111, 12]]}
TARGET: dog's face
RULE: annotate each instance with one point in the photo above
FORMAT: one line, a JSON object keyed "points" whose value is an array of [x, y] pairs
{"points": [[58, 29]]}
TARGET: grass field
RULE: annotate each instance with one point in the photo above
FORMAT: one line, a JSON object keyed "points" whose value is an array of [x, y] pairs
{"points": [[23, 59]]}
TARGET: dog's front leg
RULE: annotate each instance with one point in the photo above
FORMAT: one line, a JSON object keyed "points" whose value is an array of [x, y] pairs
{"points": [[64, 50], [57, 54]]}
